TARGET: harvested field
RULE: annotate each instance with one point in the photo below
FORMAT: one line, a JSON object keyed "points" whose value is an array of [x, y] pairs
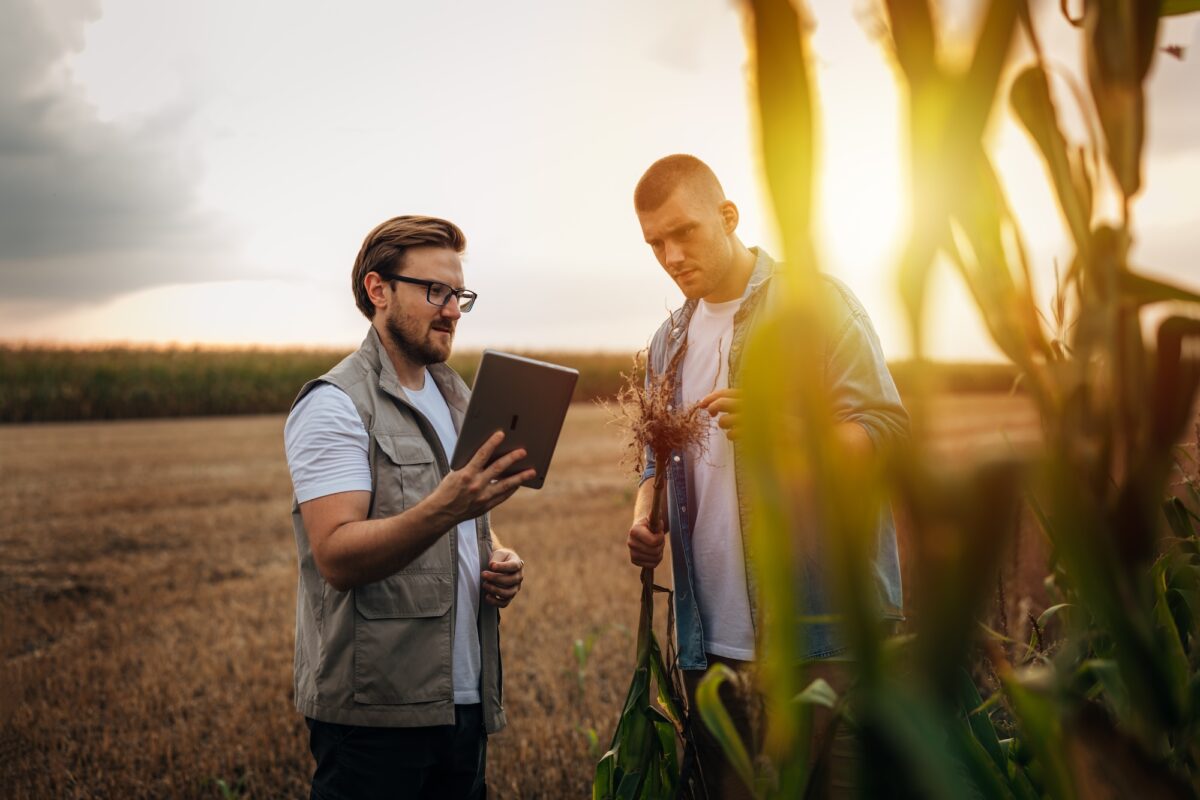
{"points": [[147, 583]]}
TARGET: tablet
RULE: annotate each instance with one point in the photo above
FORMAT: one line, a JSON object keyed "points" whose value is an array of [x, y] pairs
{"points": [[527, 400]]}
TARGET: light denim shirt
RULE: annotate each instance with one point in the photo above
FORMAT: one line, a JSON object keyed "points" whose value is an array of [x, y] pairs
{"points": [[862, 391]]}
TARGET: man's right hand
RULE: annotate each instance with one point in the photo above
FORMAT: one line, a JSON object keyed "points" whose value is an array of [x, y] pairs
{"points": [[645, 546], [478, 488]]}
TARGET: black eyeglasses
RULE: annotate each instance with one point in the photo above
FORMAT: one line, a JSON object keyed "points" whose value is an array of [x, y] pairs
{"points": [[437, 293]]}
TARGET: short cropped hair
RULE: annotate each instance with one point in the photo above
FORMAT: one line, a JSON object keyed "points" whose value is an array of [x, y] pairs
{"points": [[667, 174], [384, 248]]}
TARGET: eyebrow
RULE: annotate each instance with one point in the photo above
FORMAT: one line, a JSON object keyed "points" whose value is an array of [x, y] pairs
{"points": [[675, 230]]}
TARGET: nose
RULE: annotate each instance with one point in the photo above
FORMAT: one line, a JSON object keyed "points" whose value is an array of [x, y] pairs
{"points": [[451, 310], [672, 254]]}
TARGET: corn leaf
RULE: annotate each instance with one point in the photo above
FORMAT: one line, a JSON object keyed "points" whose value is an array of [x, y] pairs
{"points": [[980, 723], [1107, 677], [1144, 290], [1119, 52], [714, 715], [666, 699], [911, 728], [668, 761], [1171, 8], [786, 111], [1040, 721], [987, 776], [1168, 634], [819, 693], [1030, 98], [602, 782], [1050, 613], [1178, 518]]}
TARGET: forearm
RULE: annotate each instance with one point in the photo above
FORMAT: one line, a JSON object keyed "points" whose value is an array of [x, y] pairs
{"points": [[644, 501], [361, 552]]}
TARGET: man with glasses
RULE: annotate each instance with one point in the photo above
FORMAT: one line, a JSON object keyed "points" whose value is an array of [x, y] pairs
{"points": [[397, 664]]}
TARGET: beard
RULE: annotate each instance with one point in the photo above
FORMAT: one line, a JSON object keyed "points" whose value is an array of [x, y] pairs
{"points": [[413, 340]]}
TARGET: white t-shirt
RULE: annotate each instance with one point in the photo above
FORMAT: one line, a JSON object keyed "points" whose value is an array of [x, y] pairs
{"points": [[326, 447], [718, 561]]}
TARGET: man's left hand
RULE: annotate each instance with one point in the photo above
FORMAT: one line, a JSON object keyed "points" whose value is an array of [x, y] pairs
{"points": [[728, 404], [502, 579]]}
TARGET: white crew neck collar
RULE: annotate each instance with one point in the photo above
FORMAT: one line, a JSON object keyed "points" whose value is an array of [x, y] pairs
{"points": [[720, 309], [424, 385]]}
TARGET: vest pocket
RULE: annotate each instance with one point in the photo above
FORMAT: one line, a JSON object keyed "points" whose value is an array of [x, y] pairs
{"points": [[402, 640], [406, 475]]}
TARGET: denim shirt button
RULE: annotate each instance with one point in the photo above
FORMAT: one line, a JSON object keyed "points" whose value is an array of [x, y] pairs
{"points": [[676, 459], [683, 509]]}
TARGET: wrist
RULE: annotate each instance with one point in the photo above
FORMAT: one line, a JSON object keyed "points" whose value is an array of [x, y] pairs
{"points": [[434, 514]]}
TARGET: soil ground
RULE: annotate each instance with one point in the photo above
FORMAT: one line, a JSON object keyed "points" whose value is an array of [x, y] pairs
{"points": [[147, 590]]}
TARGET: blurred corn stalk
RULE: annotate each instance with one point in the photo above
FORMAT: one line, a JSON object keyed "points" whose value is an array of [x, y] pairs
{"points": [[1114, 708]]}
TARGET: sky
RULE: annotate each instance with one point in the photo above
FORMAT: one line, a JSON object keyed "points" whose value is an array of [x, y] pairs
{"points": [[181, 172]]}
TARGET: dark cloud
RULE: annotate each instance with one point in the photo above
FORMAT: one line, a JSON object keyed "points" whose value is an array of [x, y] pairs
{"points": [[87, 208]]}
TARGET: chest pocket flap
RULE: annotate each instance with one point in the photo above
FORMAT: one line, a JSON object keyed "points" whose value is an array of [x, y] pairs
{"points": [[405, 475], [405, 449], [420, 595]]}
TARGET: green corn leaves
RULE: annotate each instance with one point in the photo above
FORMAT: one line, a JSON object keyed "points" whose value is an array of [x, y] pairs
{"points": [[712, 711], [642, 761]]}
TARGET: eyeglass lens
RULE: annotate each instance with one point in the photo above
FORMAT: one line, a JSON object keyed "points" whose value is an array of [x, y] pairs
{"points": [[439, 295]]}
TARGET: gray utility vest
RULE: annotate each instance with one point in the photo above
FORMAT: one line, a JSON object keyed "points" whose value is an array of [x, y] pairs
{"points": [[381, 654]]}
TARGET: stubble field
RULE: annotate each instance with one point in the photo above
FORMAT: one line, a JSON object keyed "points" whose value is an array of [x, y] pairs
{"points": [[147, 589]]}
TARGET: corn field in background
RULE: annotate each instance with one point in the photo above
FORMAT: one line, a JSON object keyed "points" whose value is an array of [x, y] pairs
{"points": [[1104, 701], [58, 384], [44, 384]]}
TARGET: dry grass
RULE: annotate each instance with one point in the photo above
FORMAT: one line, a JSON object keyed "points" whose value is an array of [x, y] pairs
{"points": [[147, 583]]}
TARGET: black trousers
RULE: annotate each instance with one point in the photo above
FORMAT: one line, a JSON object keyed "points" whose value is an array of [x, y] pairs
{"points": [[439, 761]]}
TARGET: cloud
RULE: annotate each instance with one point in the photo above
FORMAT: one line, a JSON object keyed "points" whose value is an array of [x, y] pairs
{"points": [[89, 208]]}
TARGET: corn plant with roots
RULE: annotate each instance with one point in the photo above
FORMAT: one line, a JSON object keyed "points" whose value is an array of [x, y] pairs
{"points": [[643, 759], [1112, 709]]}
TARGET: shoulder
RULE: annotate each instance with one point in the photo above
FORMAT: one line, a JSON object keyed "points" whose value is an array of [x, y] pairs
{"points": [[351, 370], [842, 305], [324, 407]]}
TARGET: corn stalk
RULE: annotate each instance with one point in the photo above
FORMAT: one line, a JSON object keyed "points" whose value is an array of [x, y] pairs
{"points": [[1118, 693]]}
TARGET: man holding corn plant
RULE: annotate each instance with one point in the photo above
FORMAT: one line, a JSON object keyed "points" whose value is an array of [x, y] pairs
{"points": [[397, 666], [691, 228]]}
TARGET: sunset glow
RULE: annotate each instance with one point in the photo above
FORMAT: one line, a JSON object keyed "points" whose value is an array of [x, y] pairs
{"points": [[222, 179]]}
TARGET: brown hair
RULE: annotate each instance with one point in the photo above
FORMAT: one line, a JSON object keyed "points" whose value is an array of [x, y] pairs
{"points": [[384, 248], [667, 174]]}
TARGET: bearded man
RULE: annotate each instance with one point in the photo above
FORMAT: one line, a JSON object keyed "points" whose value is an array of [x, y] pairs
{"points": [[397, 664]]}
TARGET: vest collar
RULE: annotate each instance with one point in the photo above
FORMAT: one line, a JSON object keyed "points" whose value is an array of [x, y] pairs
{"points": [[447, 380]]}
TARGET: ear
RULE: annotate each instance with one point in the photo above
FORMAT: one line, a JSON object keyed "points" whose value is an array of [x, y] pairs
{"points": [[376, 289], [729, 216]]}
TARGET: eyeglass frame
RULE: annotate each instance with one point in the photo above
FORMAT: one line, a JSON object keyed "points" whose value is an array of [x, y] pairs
{"points": [[428, 284]]}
